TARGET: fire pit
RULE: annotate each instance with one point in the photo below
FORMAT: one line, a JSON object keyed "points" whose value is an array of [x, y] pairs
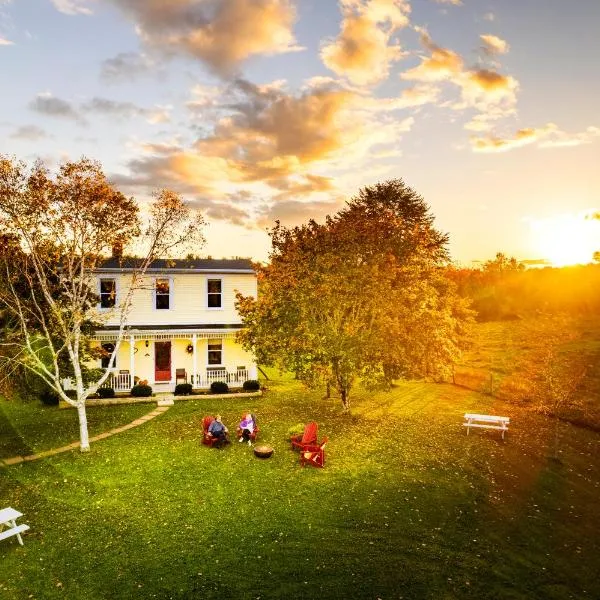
{"points": [[263, 451]]}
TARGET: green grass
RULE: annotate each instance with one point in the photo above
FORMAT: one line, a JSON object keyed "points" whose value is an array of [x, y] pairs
{"points": [[407, 506], [29, 427]]}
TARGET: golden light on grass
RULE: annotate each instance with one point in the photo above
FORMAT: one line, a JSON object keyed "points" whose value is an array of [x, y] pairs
{"points": [[567, 239]]}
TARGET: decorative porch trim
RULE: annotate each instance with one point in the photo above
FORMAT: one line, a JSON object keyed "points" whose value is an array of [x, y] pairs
{"points": [[158, 335]]}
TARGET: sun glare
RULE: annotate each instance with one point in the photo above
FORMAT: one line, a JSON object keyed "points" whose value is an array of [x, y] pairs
{"points": [[567, 239]]}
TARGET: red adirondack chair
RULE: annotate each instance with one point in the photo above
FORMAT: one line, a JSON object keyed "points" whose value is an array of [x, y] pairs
{"points": [[308, 437], [207, 439], [314, 454], [254, 433]]}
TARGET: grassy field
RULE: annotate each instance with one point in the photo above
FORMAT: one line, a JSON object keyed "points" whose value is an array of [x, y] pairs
{"points": [[407, 505], [499, 347]]}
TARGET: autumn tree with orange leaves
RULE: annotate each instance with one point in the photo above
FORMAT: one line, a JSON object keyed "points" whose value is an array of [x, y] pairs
{"points": [[362, 296]]}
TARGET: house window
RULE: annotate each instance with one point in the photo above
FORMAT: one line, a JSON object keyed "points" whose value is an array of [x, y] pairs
{"points": [[108, 293], [215, 353], [107, 349], [162, 293], [215, 293]]}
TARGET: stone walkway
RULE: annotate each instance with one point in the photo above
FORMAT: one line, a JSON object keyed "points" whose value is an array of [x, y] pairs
{"points": [[147, 417]]}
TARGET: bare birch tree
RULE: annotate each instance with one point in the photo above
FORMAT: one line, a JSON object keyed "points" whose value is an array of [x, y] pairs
{"points": [[56, 231]]}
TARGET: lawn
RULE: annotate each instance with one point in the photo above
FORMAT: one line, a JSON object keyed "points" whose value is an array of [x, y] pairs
{"points": [[407, 505], [499, 347]]}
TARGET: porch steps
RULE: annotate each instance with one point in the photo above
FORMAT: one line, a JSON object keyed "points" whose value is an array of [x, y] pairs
{"points": [[164, 399]]}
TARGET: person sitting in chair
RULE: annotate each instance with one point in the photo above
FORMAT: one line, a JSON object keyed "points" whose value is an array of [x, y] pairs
{"points": [[246, 428], [218, 430]]}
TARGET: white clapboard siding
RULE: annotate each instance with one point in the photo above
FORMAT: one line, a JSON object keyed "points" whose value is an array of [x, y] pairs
{"points": [[188, 300]]}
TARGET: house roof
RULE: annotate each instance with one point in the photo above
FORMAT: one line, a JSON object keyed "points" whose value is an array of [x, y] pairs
{"points": [[180, 265]]}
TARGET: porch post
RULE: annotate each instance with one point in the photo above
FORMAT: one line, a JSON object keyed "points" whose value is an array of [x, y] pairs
{"points": [[194, 361], [131, 359], [252, 372]]}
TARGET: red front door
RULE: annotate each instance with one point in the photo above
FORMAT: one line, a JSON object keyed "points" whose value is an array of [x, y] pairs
{"points": [[162, 361]]}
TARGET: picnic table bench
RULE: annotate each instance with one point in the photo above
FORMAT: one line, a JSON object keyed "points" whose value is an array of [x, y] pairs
{"points": [[487, 422], [8, 518]]}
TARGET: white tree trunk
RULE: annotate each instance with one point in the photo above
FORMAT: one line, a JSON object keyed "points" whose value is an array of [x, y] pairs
{"points": [[84, 439]]}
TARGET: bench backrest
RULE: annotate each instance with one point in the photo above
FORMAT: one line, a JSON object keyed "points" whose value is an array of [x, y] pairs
{"points": [[490, 418]]}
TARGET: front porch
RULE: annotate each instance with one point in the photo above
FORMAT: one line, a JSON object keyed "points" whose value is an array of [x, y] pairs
{"points": [[164, 358], [122, 381]]}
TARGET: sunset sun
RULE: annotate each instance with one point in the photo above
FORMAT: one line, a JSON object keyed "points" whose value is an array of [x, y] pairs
{"points": [[567, 239]]}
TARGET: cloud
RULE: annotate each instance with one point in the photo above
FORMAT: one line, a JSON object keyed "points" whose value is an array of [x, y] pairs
{"points": [[277, 144], [561, 139], [294, 212], [419, 95], [548, 136], [485, 89], [204, 101], [302, 186], [127, 66], [5, 42], [221, 33], [442, 64], [126, 110], [47, 104], [493, 45], [413, 97], [453, 2], [482, 88], [72, 7], [31, 133], [364, 51], [227, 210]]}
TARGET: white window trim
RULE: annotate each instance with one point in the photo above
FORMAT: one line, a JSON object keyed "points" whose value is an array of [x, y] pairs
{"points": [[213, 365], [171, 294], [222, 307], [107, 308]]}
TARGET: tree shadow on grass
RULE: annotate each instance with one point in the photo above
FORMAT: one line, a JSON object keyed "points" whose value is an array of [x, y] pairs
{"points": [[12, 442]]}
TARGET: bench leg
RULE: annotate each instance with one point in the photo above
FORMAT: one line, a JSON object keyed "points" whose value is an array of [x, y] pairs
{"points": [[13, 523]]}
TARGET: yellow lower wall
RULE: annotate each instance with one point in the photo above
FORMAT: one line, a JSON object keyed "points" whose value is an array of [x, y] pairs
{"points": [[233, 356]]}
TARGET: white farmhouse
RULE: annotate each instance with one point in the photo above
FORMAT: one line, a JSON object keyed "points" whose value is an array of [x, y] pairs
{"points": [[182, 323]]}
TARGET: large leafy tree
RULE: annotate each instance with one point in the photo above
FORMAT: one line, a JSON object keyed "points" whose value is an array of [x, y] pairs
{"points": [[55, 231], [363, 295]]}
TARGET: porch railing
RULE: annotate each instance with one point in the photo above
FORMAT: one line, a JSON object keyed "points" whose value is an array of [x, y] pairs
{"points": [[120, 382], [203, 380]]}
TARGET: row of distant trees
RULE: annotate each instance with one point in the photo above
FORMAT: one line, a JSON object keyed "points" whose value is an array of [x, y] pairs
{"points": [[502, 289]]}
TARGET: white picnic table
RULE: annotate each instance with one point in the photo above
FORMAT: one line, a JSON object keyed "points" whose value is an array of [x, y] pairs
{"points": [[8, 519], [487, 422]]}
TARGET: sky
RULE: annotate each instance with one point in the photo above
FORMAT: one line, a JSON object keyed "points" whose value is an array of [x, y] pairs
{"points": [[257, 110]]}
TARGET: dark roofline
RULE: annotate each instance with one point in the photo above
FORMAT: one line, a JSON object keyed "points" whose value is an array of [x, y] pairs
{"points": [[179, 265], [111, 328]]}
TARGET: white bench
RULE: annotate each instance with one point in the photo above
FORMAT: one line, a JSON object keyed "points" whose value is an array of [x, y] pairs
{"points": [[487, 422], [8, 517]]}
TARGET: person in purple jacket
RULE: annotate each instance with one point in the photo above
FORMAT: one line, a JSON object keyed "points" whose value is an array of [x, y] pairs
{"points": [[246, 428]]}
